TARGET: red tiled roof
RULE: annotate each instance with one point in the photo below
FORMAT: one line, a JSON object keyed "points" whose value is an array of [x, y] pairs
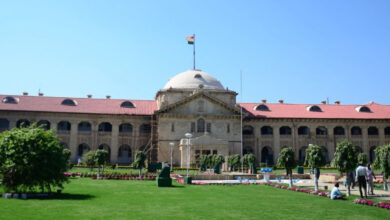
{"points": [[329, 111], [84, 105], [147, 107]]}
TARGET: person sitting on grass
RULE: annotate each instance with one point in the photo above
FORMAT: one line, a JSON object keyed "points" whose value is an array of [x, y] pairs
{"points": [[336, 194]]}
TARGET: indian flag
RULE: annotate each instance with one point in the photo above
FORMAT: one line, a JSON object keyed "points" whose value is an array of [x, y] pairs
{"points": [[190, 40]]}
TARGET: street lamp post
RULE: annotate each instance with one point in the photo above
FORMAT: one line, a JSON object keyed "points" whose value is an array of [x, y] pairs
{"points": [[188, 136], [171, 144]]}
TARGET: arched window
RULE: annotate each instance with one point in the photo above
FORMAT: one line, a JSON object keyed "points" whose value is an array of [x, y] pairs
{"points": [[247, 130], [247, 150], [69, 102], [285, 130], [302, 154], [372, 131], [363, 109], [267, 156], [84, 126], [125, 128], [356, 130], [63, 126], [44, 123], [387, 131], [261, 107], [4, 124], [325, 154], [372, 154], [303, 130], [105, 127], [10, 100], [127, 104], [201, 125], [124, 154], [321, 131], [314, 108], [145, 129], [82, 149], [338, 130], [107, 148], [267, 130], [22, 123]]}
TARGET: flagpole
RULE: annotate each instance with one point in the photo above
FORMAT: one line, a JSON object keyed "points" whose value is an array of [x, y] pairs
{"points": [[242, 146], [194, 50]]}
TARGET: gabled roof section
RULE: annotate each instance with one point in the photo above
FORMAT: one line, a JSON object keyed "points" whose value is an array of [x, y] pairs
{"points": [[84, 105], [203, 94], [328, 111]]}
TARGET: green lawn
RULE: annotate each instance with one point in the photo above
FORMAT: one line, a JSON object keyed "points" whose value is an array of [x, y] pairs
{"points": [[119, 199]]}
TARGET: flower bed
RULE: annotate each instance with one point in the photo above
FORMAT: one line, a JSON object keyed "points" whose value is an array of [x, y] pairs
{"points": [[113, 176], [384, 205]]}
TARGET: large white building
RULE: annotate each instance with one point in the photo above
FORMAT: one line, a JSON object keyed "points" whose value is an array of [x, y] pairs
{"points": [[196, 102]]}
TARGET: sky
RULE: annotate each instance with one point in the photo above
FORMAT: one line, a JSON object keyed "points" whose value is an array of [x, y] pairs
{"points": [[299, 51]]}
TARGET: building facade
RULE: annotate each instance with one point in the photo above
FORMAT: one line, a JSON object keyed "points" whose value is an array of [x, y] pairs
{"points": [[197, 103]]}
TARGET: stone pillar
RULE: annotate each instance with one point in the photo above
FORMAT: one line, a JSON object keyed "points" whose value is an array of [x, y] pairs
{"points": [[73, 140], [365, 147], [114, 142], [331, 143], [381, 130], [276, 147]]}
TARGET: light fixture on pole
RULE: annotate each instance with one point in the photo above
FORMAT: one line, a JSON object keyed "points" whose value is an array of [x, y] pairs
{"points": [[188, 136], [171, 144]]}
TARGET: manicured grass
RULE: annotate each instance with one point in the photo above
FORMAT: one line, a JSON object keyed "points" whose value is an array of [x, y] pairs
{"points": [[119, 199]]}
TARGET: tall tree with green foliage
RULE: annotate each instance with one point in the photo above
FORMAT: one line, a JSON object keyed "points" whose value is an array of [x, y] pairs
{"points": [[315, 159], [345, 160], [233, 161], [287, 160], [249, 160], [382, 162], [89, 159], [32, 158], [139, 162], [362, 158], [217, 161], [203, 160], [101, 158]]}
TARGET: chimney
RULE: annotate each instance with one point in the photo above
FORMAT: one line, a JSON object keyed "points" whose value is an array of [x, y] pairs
{"points": [[323, 102], [281, 101], [89, 96], [337, 102], [264, 100], [40, 94], [25, 93], [108, 96]]}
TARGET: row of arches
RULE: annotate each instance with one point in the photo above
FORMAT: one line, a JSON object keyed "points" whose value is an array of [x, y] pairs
{"points": [[321, 130], [302, 153], [125, 154], [83, 126], [266, 156]]}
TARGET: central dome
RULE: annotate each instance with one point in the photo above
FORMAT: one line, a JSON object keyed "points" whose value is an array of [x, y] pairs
{"points": [[193, 79]]}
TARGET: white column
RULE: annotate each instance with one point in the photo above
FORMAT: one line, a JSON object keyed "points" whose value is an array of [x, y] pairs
{"points": [[73, 140], [276, 147], [114, 142]]}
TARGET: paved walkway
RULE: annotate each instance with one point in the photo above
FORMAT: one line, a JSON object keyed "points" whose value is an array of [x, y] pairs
{"points": [[379, 194]]}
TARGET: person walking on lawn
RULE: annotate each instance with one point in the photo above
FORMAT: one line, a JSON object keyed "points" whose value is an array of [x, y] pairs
{"points": [[370, 179], [361, 173]]}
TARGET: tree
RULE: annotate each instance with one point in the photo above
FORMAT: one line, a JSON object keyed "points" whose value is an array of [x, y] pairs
{"points": [[382, 162], [233, 161], [217, 161], [249, 159], [32, 158], [89, 159], [203, 162], [139, 162], [100, 158], [362, 158], [287, 160], [315, 159], [345, 160]]}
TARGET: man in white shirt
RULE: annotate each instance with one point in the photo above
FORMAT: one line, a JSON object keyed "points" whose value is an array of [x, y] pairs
{"points": [[361, 173], [336, 194]]}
